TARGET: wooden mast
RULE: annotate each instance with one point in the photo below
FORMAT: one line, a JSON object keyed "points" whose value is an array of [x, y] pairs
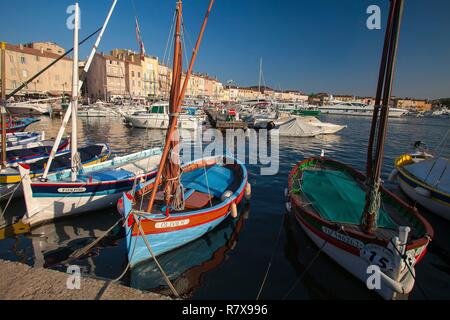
{"points": [[373, 197], [172, 125], [3, 106], [75, 79]]}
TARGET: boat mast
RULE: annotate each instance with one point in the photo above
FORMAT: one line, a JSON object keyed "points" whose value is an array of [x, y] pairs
{"points": [[83, 77], [172, 124], [379, 125], [75, 78], [260, 77], [3, 106]]}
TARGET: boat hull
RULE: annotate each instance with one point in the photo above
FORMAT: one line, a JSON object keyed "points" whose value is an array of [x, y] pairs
{"points": [[48, 201], [393, 113], [430, 198], [162, 122], [352, 249], [165, 233]]}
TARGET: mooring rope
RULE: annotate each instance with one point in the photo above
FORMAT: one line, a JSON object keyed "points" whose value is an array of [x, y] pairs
{"points": [[166, 278], [275, 249]]}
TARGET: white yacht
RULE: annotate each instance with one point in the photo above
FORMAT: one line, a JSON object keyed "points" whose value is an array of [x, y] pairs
{"points": [[40, 107], [357, 109], [157, 117]]}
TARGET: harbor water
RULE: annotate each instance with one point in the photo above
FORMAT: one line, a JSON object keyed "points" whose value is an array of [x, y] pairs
{"points": [[231, 261]]}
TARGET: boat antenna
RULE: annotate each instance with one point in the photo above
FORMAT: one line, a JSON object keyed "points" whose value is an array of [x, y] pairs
{"points": [[177, 99], [380, 123]]}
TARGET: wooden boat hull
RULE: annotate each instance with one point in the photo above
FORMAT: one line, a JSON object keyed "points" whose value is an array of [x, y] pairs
{"points": [[33, 151], [167, 233], [19, 125], [10, 177], [430, 198], [355, 250], [60, 198], [23, 138]]}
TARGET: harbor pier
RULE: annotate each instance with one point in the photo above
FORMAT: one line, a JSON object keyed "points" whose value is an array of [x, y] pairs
{"points": [[21, 282]]}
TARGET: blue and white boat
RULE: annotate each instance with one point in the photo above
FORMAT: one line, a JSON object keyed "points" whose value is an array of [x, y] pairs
{"points": [[23, 138], [426, 181], [96, 187]]}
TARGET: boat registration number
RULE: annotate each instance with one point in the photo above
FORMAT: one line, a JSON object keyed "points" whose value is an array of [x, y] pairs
{"points": [[172, 224], [71, 190], [379, 256]]}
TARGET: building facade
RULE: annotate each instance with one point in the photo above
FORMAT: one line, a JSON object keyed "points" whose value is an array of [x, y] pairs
{"points": [[24, 61]]}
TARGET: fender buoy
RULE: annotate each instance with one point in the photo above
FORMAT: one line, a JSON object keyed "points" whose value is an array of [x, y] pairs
{"points": [[234, 211], [286, 192], [248, 192]]}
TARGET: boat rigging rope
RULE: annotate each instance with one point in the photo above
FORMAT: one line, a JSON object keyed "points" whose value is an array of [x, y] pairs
{"points": [[441, 144], [272, 258], [166, 278]]}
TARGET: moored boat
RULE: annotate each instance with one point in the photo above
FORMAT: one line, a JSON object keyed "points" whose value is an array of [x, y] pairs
{"points": [[426, 181], [23, 138], [183, 202], [351, 217], [98, 186], [327, 199], [13, 126], [33, 151], [93, 154]]}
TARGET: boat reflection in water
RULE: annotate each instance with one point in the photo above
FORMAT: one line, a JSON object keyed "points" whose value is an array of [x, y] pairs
{"points": [[54, 243], [186, 266]]}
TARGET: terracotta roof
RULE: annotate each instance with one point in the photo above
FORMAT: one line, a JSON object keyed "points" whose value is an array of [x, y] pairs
{"points": [[35, 52]]}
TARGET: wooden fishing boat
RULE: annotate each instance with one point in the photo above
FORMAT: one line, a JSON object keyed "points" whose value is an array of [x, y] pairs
{"points": [[205, 208], [23, 138], [327, 199], [97, 187], [351, 217], [93, 154], [183, 202], [13, 126], [76, 191], [33, 151], [427, 182]]}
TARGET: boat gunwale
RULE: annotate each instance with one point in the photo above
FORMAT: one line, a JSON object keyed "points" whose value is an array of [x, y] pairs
{"points": [[414, 244]]}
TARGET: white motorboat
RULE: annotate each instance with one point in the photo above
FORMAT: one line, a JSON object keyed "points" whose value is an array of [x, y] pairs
{"points": [[357, 109], [157, 117], [29, 108], [327, 128]]}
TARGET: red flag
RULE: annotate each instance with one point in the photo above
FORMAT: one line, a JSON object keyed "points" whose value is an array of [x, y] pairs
{"points": [[139, 40]]}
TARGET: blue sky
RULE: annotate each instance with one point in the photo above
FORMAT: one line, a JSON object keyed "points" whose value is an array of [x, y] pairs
{"points": [[313, 46]]}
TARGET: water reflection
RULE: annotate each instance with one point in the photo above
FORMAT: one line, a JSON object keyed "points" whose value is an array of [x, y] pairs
{"points": [[214, 267], [186, 266]]}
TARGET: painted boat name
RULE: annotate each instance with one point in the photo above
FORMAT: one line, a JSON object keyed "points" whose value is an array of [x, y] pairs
{"points": [[172, 224], [348, 240], [71, 190]]}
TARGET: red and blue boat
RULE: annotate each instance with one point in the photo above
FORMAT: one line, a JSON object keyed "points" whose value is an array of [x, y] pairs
{"points": [[15, 125], [183, 202]]}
